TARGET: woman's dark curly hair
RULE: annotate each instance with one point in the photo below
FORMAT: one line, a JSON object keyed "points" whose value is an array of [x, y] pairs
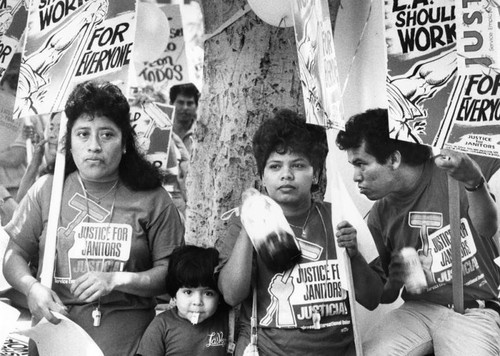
{"points": [[95, 98], [372, 128], [288, 132], [191, 267]]}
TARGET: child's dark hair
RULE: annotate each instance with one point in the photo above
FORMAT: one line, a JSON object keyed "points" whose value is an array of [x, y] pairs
{"points": [[192, 266]]}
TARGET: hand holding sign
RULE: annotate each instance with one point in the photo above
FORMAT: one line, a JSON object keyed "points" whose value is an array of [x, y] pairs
{"points": [[346, 237], [97, 11], [460, 167], [43, 302]]}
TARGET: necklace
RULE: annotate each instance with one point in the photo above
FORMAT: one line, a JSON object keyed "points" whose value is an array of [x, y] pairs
{"points": [[96, 313], [303, 227], [95, 197]]}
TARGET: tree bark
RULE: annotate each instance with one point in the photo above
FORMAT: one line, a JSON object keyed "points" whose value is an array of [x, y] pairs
{"points": [[250, 71]]}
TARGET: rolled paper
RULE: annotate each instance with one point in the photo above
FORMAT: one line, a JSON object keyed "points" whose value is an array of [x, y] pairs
{"points": [[269, 231], [415, 281]]}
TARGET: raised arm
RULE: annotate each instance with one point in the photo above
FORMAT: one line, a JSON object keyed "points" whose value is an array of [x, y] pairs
{"points": [[236, 276], [31, 173], [482, 208]]}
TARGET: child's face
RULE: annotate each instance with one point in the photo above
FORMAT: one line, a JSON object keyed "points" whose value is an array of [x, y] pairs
{"points": [[196, 304]]}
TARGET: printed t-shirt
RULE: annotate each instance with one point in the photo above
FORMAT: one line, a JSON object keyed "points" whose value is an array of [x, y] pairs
{"points": [[144, 227], [420, 219], [169, 334], [286, 301]]}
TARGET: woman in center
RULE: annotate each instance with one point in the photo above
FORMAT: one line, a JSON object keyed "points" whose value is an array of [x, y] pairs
{"points": [[301, 311]]}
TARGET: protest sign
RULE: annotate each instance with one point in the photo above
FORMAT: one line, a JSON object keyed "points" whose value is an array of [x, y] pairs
{"points": [[171, 68], [317, 63], [192, 23], [152, 123], [472, 119], [13, 16], [420, 37], [62, 339], [443, 73], [9, 314], [71, 42]]}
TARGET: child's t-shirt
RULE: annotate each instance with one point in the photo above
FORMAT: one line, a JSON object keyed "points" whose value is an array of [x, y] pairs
{"points": [[169, 334]]}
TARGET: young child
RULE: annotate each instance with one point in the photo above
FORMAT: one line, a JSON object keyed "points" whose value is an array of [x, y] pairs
{"points": [[198, 324]]}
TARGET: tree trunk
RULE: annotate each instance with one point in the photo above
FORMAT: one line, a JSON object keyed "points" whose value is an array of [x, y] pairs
{"points": [[250, 71]]}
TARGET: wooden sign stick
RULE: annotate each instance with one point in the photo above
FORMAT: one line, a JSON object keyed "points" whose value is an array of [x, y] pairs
{"points": [[49, 252], [456, 242], [352, 302]]}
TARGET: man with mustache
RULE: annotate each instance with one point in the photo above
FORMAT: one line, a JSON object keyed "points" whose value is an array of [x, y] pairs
{"points": [[410, 190]]}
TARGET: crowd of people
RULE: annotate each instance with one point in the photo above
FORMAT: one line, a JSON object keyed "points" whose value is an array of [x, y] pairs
{"points": [[120, 242]]}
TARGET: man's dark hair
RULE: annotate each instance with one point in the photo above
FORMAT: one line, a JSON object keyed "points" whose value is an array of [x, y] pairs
{"points": [[288, 132], [95, 98], [188, 90], [191, 267], [372, 128]]}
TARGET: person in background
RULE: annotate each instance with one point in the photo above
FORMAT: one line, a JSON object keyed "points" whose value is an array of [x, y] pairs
{"points": [[303, 310], [185, 99], [44, 155], [117, 228], [198, 324], [411, 209], [13, 156], [174, 165]]}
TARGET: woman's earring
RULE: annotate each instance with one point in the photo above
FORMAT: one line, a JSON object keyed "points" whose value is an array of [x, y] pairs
{"points": [[124, 151]]}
